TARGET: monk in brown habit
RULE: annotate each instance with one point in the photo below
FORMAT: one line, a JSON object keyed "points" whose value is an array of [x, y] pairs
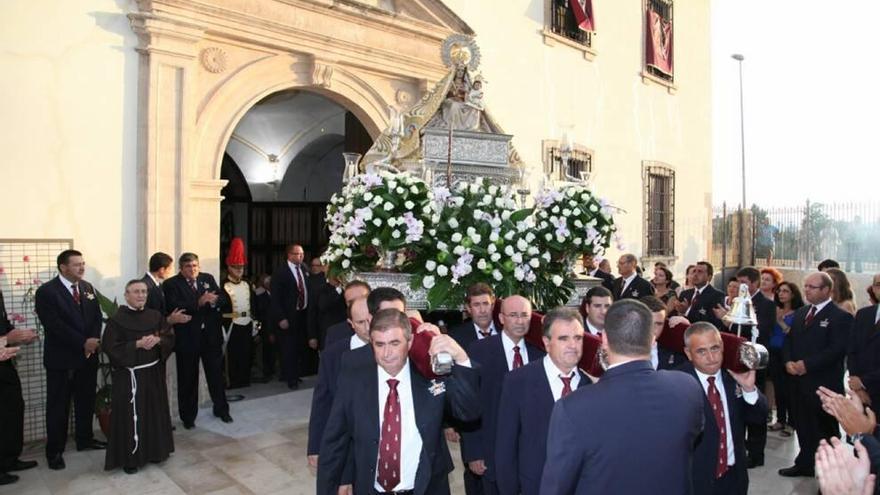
{"points": [[138, 341]]}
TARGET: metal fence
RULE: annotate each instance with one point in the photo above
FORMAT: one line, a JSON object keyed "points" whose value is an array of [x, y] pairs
{"points": [[799, 236]]}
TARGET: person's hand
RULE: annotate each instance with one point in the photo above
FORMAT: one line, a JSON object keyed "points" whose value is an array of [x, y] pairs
{"points": [[746, 380], [675, 321], [864, 397], [313, 343], [719, 311], [477, 467], [414, 314], [91, 346], [849, 411], [208, 298], [344, 490], [21, 336], [800, 367], [178, 316], [855, 384], [7, 353], [840, 472], [451, 435], [313, 463], [780, 313], [681, 306], [147, 342], [445, 343], [284, 324], [790, 369]]}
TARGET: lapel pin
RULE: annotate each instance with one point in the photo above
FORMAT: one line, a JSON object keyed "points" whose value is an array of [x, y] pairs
{"points": [[437, 388]]}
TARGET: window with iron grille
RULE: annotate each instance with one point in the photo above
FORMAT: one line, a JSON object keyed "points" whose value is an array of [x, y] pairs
{"points": [[563, 23], [659, 209], [580, 162], [664, 9]]}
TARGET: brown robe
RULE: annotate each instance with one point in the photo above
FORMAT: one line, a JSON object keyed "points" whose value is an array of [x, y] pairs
{"points": [[155, 442]]}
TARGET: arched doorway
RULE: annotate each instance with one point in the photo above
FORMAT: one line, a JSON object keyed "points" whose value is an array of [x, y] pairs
{"points": [[283, 162]]}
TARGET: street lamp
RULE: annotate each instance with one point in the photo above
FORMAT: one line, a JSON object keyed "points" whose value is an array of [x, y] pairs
{"points": [[742, 139]]}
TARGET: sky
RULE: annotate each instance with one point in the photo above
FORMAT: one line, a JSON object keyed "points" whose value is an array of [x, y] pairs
{"points": [[811, 80]]}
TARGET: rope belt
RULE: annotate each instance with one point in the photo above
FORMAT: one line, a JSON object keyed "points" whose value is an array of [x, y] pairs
{"points": [[134, 388]]}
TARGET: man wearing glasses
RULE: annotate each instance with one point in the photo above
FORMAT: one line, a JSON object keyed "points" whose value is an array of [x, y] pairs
{"points": [[813, 355], [496, 356]]}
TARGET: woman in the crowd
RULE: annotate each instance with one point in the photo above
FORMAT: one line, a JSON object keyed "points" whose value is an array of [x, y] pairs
{"points": [[732, 291], [788, 299], [688, 284], [770, 279], [663, 290], [842, 293]]}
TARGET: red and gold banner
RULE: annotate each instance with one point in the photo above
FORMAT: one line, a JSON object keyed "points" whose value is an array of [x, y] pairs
{"points": [[583, 14], [658, 40]]}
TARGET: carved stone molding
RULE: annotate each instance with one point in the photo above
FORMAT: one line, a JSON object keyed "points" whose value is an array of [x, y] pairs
{"points": [[403, 97], [214, 59], [322, 74]]}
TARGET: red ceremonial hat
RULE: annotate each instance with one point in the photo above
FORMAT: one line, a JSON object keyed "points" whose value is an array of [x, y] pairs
{"points": [[236, 256]]}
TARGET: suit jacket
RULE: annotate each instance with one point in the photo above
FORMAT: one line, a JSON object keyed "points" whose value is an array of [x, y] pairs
{"points": [[669, 360], [595, 434], [704, 310], [607, 278], [521, 440], [326, 308], [465, 333], [822, 346], [740, 414], [285, 293], [206, 319], [639, 287], [155, 295], [863, 358], [66, 325], [339, 331], [325, 390], [478, 440], [352, 432]]}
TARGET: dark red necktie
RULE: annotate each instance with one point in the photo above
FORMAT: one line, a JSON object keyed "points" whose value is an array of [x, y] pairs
{"points": [[388, 470], [566, 385], [75, 294], [810, 316], [718, 411], [301, 290], [193, 285], [694, 300], [517, 358]]}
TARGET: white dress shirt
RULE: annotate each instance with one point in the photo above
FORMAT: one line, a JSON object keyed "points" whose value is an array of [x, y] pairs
{"points": [[750, 397], [820, 307], [627, 281], [411, 441], [655, 356], [155, 280], [877, 315], [69, 285], [297, 271], [479, 330], [355, 342], [553, 377], [508, 350], [593, 330]]}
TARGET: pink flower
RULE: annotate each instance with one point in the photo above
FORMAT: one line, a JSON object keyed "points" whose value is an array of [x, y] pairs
{"points": [[18, 318], [18, 282], [2, 270], [38, 281], [26, 258]]}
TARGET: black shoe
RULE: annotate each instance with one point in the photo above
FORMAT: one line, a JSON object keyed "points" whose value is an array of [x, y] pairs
{"points": [[189, 425], [7, 479], [130, 470], [796, 471], [226, 418], [56, 463], [755, 462], [20, 465], [293, 385], [91, 445]]}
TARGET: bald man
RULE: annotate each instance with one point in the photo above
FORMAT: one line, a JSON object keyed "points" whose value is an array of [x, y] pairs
{"points": [[496, 356]]}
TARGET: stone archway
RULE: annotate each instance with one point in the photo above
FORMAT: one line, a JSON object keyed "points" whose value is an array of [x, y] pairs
{"points": [[202, 68]]}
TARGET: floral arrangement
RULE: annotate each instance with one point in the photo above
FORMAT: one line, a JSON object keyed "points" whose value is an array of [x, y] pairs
{"points": [[572, 221], [376, 218]]}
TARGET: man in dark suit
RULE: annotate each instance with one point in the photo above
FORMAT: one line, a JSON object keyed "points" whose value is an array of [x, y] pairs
{"points": [[813, 354], [71, 317], [863, 358], [161, 267], [630, 285], [11, 401], [387, 420], [354, 290], [328, 372], [661, 357], [201, 338], [327, 306], [634, 430], [496, 356], [527, 399], [699, 303], [732, 400], [595, 271], [290, 309], [479, 301], [595, 305]]}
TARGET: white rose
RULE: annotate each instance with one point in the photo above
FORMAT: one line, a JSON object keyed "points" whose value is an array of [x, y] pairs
{"points": [[555, 210], [346, 252], [548, 236], [400, 190], [579, 224], [476, 238], [392, 185], [508, 250], [530, 237], [481, 264], [509, 235], [493, 236], [388, 206], [456, 237], [578, 241], [535, 262], [377, 222], [487, 199], [478, 214], [442, 270], [533, 250], [517, 258], [475, 189], [458, 250], [505, 215], [442, 246], [522, 245], [493, 190], [395, 234], [576, 212], [393, 221], [492, 248], [428, 282], [519, 274], [409, 205], [414, 189], [497, 275], [377, 200], [430, 265], [368, 196], [453, 223], [557, 280], [495, 257], [376, 242], [546, 257], [458, 200], [594, 208]]}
